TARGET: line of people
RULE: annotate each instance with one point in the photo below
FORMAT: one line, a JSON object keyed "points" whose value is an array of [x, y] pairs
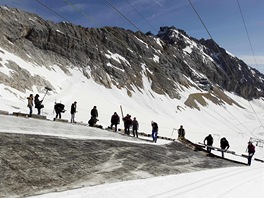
{"points": [[209, 140], [58, 107], [128, 123], [224, 145]]}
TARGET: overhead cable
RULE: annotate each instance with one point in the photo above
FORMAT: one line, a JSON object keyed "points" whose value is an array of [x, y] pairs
{"points": [[123, 15], [222, 57], [242, 16]]}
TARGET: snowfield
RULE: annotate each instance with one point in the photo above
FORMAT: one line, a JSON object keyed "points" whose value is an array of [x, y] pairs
{"points": [[239, 181]]}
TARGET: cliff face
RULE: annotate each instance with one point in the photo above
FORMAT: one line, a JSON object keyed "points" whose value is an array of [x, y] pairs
{"points": [[113, 56]]}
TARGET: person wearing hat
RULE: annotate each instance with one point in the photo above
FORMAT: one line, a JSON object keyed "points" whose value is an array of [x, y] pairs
{"points": [[251, 152], [135, 127]]}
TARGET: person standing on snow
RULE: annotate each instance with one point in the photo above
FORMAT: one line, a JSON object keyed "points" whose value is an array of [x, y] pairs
{"points": [[135, 127], [30, 104], [38, 104], [181, 133], [251, 152], [127, 123], [94, 115], [115, 120], [224, 144], [209, 142], [73, 111], [155, 129]]}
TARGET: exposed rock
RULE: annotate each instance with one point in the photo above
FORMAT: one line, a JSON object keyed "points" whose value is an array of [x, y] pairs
{"points": [[172, 57]]}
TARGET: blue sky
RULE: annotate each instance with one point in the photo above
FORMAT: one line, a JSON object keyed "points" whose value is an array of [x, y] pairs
{"points": [[223, 19]]}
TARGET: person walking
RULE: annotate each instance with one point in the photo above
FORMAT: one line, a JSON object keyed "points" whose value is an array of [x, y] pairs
{"points": [[59, 108], [135, 127], [73, 111], [38, 104], [30, 104], [127, 123], [181, 133], [209, 140], [251, 152], [155, 129], [115, 120], [224, 144]]}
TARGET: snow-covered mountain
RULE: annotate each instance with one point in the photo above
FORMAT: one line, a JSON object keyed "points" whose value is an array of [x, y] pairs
{"points": [[170, 78]]}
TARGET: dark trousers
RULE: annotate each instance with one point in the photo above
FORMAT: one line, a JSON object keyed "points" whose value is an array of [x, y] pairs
{"points": [[58, 114], [127, 129], [30, 111], [135, 132], [154, 135], [114, 124], [209, 148], [250, 155]]}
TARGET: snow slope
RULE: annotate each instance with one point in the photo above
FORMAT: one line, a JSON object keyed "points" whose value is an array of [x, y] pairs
{"points": [[235, 123], [223, 182]]}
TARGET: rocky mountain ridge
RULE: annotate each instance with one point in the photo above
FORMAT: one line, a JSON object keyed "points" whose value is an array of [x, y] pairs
{"points": [[114, 56]]}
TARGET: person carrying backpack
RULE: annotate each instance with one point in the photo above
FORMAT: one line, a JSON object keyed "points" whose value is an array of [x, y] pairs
{"points": [[251, 152]]}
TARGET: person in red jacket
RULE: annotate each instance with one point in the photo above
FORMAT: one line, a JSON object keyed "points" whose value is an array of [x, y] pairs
{"points": [[251, 152]]}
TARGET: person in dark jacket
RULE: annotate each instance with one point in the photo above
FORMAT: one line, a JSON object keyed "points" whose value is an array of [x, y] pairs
{"points": [[181, 133], [94, 115], [73, 111], [135, 127], [59, 108], [38, 104], [115, 120], [209, 140], [127, 123], [251, 152], [224, 144], [155, 129], [94, 112]]}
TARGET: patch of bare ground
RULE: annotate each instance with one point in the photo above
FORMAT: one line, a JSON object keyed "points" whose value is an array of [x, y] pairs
{"points": [[34, 164]]}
